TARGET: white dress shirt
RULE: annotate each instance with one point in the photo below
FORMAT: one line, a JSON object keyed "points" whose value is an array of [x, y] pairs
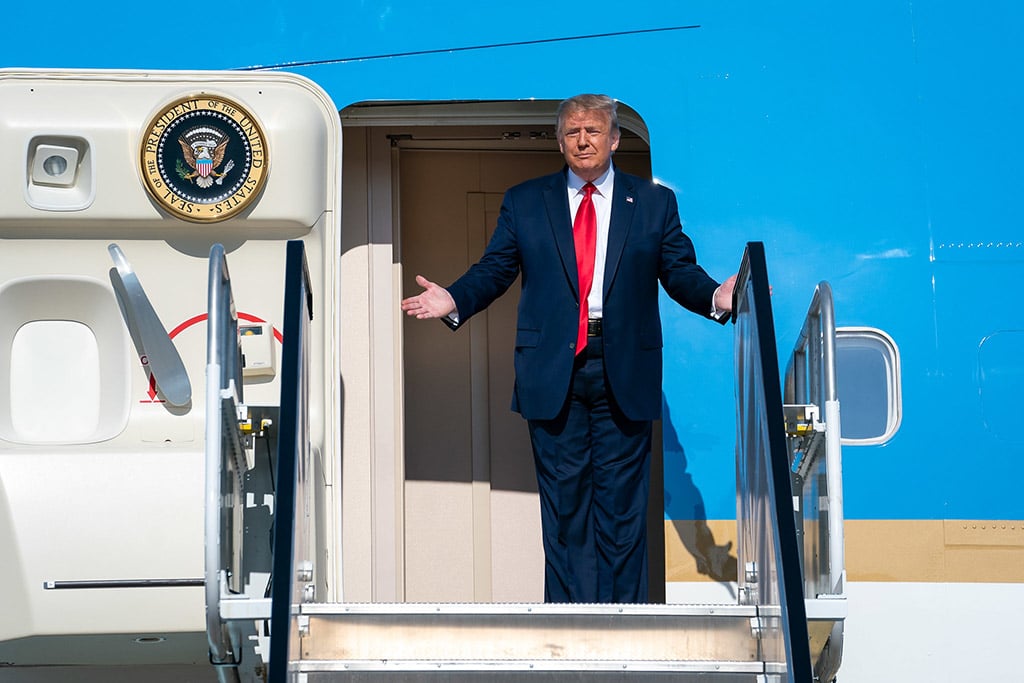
{"points": [[602, 199]]}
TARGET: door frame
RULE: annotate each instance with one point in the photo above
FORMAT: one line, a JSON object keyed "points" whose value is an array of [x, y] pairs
{"points": [[372, 470]]}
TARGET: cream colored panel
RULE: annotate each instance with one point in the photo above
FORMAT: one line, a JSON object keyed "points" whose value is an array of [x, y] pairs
{"points": [[517, 555], [459, 427], [130, 506], [356, 339], [90, 109], [437, 381], [439, 565]]}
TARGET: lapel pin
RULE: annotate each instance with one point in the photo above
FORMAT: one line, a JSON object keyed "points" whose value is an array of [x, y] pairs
{"points": [[629, 199]]}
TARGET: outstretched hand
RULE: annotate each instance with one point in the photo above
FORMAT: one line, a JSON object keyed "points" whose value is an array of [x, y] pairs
{"points": [[433, 302]]}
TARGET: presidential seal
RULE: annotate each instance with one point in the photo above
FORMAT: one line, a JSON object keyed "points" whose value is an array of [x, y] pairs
{"points": [[204, 158]]}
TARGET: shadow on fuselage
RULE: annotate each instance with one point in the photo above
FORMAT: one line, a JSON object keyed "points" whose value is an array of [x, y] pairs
{"points": [[689, 517]]}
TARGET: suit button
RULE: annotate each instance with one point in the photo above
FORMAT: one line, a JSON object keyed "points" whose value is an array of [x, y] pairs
{"points": [[572, 345]]}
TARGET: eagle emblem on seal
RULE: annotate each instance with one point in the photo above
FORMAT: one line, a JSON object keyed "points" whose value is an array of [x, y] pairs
{"points": [[203, 148], [203, 158]]}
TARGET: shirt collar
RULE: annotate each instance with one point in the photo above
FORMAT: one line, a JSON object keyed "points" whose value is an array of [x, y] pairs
{"points": [[604, 183]]}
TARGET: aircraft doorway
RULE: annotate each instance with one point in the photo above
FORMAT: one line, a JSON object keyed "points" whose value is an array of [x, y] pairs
{"points": [[464, 507], [471, 514]]}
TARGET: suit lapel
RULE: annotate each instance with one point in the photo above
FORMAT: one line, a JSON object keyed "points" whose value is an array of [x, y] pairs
{"points": [[623, 205], [556, 201]]}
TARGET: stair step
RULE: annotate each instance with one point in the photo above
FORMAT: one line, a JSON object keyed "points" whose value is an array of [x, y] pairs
{"points": [[478, 675], [522, 638]]}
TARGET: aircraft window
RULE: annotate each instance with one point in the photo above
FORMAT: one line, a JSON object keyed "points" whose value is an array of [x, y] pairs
{"points": [[868, 379], [52, 358], [1000, 378]]}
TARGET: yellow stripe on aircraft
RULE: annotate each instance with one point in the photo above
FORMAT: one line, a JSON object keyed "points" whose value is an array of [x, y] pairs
{"points": [[939, 551]]}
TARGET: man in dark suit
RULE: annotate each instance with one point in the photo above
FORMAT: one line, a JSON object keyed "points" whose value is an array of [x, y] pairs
{"points": [[588, 377]]}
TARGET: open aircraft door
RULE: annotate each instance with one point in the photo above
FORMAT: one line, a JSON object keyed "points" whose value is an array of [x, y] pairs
{"points": [[116, 186]]}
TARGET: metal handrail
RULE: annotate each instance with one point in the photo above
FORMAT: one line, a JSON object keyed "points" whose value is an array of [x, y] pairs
{"points": [[817, 339], [768, 546], [811, 380], [223, 375], [293, 570], [811, 389]]}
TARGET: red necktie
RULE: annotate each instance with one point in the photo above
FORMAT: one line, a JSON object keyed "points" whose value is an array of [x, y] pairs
{"points": [[584, 232]]}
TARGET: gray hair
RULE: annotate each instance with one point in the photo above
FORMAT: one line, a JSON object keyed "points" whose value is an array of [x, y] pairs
{"points": [[587, 102]]}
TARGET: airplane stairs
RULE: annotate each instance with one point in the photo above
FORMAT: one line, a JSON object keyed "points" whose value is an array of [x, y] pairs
{"points": [[786, 626]]}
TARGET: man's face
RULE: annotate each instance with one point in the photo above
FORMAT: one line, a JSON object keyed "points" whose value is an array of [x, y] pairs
{"points": [[587, 142]]}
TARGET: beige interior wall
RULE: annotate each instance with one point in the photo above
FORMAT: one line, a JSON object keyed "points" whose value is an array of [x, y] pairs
{"points": [[369, 345], [466, 538]]}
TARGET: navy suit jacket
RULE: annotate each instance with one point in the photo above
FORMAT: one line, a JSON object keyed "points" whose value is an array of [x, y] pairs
{"points": [[646, 245]]}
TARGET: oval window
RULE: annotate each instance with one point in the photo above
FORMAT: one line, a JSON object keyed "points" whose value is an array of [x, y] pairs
{"points": [[868, 384]]}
